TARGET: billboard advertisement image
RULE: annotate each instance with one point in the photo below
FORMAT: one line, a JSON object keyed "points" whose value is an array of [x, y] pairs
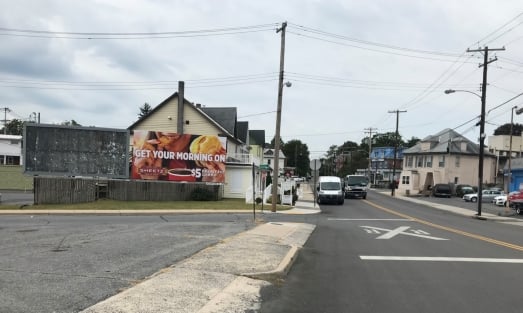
{"points": [[178, 157]]}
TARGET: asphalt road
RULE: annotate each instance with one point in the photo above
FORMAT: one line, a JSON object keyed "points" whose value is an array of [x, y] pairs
{"points": [[391, 255], [63, 264], [68, 263]]}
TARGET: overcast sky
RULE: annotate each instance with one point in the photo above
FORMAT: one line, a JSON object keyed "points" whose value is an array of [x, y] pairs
{"points": [[350, 63]]}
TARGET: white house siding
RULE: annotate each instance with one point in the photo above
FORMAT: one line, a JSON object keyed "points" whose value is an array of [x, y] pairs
{"points": [[10, 146], [198, 124], [166, 118]]}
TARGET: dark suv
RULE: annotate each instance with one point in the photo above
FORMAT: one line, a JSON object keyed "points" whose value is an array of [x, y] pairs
{"points": [[442, 190]]}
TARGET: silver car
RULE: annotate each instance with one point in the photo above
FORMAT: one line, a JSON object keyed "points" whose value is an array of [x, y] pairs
{"points": [[487, 195]]}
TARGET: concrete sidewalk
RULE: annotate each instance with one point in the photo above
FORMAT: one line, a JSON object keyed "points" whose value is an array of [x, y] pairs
{"points": [[226, 277]]}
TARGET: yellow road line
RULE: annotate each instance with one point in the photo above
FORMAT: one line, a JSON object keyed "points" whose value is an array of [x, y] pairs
{"points": [[449, 229]]}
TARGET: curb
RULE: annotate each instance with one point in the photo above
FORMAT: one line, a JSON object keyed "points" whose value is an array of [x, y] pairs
{"points": [[281, 271]]}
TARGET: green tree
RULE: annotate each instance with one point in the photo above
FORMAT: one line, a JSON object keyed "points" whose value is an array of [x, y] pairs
{"points": [[348, 155], [505, 130], [145, 109], [297, 155], [271, 146], [387, 140], [327, 163], [412, 142], [14, 127]]}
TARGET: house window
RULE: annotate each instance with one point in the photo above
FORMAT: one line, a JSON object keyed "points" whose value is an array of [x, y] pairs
{"points": [[405, 180], [429, 161], [457, 160], [269, 161], [441, 162], [421, 158], [409, 161]]}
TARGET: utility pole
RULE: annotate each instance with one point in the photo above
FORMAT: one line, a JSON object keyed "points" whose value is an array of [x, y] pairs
{"points": [[393, 185], [6, 109], [370, 130], [274, 188], [482, 135]]}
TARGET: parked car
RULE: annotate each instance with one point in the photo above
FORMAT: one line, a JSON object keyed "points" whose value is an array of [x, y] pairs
{"points": [[500, 200], [442, 190], [487, 196], [463, 189], [503, 200], [515, 201]]}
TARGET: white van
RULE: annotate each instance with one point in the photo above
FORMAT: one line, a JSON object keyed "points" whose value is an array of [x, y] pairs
{"points": [[330, 189]]}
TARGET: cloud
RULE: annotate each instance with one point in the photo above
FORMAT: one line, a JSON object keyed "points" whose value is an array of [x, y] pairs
{"points": [[340, 85]]}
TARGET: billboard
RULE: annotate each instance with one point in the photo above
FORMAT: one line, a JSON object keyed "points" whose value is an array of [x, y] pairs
{"points": [[75, 151], [178, 157]]}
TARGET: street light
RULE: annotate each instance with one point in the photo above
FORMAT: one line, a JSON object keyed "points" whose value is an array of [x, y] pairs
{"points": [[448, 91], [481, 143]]}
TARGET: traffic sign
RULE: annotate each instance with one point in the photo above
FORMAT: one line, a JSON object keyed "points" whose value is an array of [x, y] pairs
{"points": [[315, 164], [264, 167]]}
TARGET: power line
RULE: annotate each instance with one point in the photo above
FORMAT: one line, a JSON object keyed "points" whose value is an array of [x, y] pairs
{"points": [[135, 35], [370, 43], [500, 28]]}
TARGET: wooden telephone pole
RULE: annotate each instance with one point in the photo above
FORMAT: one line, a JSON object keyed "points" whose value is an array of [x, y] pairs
{"points": [[482, 134], [393, 184]]}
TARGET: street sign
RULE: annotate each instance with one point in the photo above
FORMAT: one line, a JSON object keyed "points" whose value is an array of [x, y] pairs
{"points": [[315, 164], [264, 167]]}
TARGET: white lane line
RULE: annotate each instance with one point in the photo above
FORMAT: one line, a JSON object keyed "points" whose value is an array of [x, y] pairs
{"points": [[370, 219], [437, 259]]}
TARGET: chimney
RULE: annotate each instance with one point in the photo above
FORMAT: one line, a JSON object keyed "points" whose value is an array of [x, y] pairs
{"points": [[181, 105]]}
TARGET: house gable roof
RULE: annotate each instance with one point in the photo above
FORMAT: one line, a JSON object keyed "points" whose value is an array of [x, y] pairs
{"points": [[226, 117], [257, 137], [269, 153], [446, 141], [243, 131], [186, 102]]}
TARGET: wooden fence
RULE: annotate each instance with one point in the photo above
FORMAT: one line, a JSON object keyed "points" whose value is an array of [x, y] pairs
{"points": [[66, 190]]}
